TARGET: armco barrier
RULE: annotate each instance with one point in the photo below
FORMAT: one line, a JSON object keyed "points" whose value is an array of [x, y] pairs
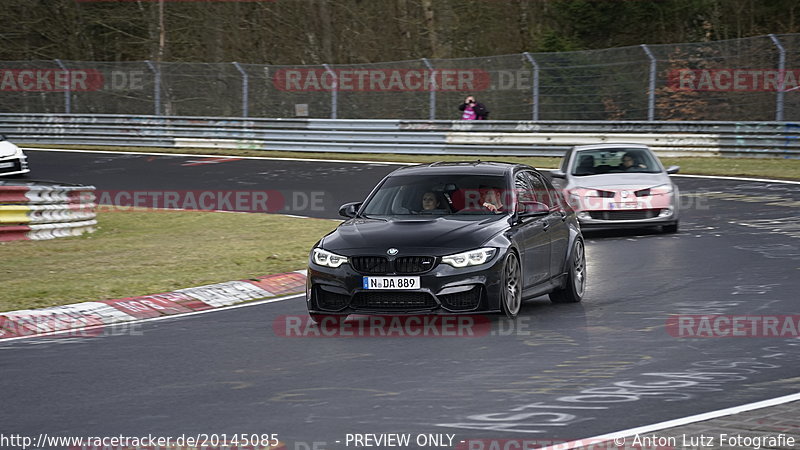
{"points": [[743, 139], [43, 210]]}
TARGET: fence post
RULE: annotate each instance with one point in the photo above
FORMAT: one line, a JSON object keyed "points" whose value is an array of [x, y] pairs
{"points": [[432, 93], [156, 87], [535, 88], [782, 74], [68, 90], [334, 91], [244, 88], [651, 88]]}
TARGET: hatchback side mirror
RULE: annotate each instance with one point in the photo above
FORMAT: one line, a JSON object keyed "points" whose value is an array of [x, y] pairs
{"points": [[673, 169], [349, 209], [558, 174]]}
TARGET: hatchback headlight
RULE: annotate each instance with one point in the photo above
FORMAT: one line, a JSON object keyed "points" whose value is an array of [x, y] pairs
{"points": [[662, 189], [327, 259], [471, 258]]}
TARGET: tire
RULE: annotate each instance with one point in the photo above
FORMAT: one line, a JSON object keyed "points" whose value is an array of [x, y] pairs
{"points": [[511, 296], [672, 228], [330, 319], [574, 287]]}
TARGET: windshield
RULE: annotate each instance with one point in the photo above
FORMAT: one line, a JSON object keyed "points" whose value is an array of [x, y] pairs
{"points": [[614, 160], [439, 195]]}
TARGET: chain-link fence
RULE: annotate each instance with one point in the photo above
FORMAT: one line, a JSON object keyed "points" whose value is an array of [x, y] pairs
{"points": [[753, 79]]}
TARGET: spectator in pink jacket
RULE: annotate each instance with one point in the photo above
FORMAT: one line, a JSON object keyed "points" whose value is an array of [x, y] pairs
{"points": [[473, 110]]}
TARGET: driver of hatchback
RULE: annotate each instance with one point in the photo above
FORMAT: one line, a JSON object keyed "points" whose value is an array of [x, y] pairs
{"points": [[630, 162]]}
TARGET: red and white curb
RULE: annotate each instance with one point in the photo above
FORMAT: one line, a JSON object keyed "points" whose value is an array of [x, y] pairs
{"points": [[56, 319]]}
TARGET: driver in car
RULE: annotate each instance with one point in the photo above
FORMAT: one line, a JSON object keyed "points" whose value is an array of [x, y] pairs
{"points": [[490, 199], [629, 162]]}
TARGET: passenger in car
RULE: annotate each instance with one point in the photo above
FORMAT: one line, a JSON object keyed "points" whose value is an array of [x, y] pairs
{"points": [[430, 201]]}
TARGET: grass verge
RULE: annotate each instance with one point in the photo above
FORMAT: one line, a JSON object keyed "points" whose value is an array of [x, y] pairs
{"points": [[140, 253], [786, 169]]}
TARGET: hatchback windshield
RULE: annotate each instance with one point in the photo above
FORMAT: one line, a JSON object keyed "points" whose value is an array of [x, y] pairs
{"points": [[614, 160], [440, 195]]}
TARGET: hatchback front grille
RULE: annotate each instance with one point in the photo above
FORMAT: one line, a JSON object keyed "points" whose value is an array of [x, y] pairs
{"points": [[638, 214], [393, 301]]}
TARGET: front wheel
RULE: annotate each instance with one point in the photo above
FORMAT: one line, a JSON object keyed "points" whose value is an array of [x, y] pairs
{"points": [[672, 228], [573, 289], [511, 299]]}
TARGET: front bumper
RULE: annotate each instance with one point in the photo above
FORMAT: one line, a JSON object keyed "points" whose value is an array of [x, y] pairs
{"points": [[443, 290], [15, 165], [627, 218]]}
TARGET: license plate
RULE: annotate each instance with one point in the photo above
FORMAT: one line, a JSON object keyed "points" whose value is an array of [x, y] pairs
{"points": [[391, 283], [630, 205], [6, 165]]}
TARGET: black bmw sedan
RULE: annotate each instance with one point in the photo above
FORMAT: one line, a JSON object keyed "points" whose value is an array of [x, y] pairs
{"points": [[449, 237]]}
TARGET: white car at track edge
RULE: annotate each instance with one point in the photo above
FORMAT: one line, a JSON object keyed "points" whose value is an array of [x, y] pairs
{"points": [[12, 160]]}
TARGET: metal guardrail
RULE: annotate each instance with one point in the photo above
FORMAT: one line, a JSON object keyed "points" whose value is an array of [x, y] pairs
{"points": [[499, 138], [41, 210]]}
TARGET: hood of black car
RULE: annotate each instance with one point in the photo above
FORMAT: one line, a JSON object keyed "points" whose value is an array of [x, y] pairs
{"points": [[434, 236]]}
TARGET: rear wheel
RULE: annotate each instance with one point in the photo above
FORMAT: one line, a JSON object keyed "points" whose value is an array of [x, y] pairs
{"points": [[512, 285], [573, 289]]}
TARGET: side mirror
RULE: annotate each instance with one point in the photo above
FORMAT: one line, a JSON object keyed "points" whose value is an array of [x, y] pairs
{"points": [[532, 209], [558, 174], [2, 137], [673, 169], [349, 209]]}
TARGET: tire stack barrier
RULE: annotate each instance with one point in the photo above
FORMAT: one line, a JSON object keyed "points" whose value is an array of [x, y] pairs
{"points": [[33, 210]]}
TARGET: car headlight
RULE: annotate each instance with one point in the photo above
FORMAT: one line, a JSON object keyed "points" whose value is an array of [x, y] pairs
{"points": [[579, 192], [471, 258], [327, 259], [662, 189]]}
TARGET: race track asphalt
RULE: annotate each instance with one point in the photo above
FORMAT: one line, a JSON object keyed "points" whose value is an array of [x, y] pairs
{"points": [[559, 372]]}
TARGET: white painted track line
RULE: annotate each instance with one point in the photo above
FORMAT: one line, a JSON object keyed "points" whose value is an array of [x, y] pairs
{"points": [[588, 442], [196, 155]]}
